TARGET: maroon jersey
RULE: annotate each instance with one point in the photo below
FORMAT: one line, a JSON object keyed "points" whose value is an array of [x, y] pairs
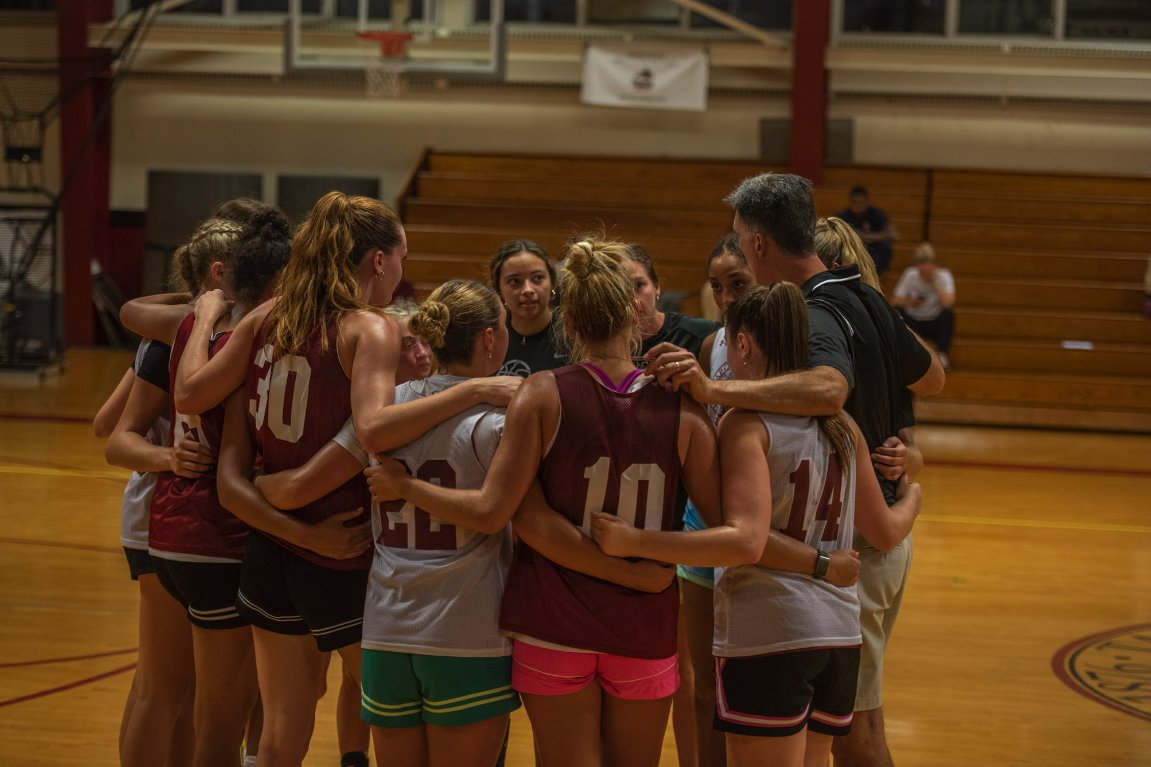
{"points": [[615, 452], [186, 516], [296, 404]]}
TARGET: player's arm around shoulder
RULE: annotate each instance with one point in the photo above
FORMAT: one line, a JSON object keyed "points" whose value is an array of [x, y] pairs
{"points": [[883, 527], [156, 316], [512, 470], [383, 425], [370, 352], [203, 382], [533, 414]]}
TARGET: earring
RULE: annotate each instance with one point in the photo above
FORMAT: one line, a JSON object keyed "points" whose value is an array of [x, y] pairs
{"points": [[380, 275], [553, 294]]}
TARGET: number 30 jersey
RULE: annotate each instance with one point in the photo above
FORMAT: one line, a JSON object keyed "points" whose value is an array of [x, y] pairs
{"points": [[760, 611], [296, 404], [616, 452], [435, 588]]}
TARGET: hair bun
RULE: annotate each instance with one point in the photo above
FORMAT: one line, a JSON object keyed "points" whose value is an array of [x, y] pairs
{"points": [[431, 321], [271, 222], [581, 259]]}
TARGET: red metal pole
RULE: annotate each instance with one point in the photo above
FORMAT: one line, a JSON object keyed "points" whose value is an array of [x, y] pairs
{"points": [[811, 30], [85, 229]]}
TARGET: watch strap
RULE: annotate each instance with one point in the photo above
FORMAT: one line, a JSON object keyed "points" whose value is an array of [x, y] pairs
{"points": [[822, 561]]}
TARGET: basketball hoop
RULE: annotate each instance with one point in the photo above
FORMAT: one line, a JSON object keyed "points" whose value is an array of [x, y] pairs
{"points": [[382, 69]]}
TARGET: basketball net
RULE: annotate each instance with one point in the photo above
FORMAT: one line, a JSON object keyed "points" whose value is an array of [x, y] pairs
{"points": [[385, 57]]}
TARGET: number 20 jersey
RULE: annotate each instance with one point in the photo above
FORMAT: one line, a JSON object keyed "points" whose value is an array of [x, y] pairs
{"points": [[760, 611], [435, 588], [616, 452], [296, 404]]}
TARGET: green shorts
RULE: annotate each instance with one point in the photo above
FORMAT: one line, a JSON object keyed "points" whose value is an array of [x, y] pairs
{"points": [[406, 690]]}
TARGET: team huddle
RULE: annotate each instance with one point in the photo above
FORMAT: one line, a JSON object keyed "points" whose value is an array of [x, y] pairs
{"points": [[587, 506]]}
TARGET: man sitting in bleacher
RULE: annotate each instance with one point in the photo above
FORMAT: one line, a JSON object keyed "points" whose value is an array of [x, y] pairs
{"points": [[925, 294]]}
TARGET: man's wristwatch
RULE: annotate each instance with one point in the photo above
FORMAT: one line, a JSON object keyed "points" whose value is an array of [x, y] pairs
{"points": [[821, 562]]}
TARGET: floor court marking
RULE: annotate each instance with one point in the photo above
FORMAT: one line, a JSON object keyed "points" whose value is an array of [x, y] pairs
{"points": [[1112, 668], [63, 545], [45, 471], [66, 687], [1097, 527], [91, 656], [50, 418], [1042, 468]]}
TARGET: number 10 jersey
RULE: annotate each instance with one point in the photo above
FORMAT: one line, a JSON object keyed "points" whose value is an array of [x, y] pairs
{"points": [[616, 452]]}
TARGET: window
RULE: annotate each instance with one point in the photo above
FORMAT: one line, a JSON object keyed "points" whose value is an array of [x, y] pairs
{"points": [[195, 6], [540, 11], [895, 16], [377, 9], [1109, 19], [1006, 17], [380, 10], [767, 14], [27, 5], [632, 12]]}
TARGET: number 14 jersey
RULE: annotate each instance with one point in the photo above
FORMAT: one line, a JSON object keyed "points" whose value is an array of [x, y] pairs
{"points": [[760, 611]]}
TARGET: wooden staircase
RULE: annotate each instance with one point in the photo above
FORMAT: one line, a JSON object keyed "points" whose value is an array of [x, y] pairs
{"points": [[1048, 267]]}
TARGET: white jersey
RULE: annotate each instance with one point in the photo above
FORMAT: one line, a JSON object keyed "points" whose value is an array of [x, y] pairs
{"points": [[720, 370], [137, 499], [759, 611], [912, 285], [435, 588]]}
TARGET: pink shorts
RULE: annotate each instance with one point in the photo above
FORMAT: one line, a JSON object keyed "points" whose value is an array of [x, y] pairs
{"points": [[544, 671]]}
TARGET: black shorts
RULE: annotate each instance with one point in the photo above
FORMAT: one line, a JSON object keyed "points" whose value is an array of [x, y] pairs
{"points": [[777, 695], [139, 562], [284, 593], [206, 589]]}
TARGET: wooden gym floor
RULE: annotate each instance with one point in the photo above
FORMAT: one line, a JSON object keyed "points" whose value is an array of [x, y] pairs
{"points": [[1030, 542]]}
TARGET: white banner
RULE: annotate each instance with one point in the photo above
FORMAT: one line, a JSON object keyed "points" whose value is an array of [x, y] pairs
{"points": [[645, 77]]}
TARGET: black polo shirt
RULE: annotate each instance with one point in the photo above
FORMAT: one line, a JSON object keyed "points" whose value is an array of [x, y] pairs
{"points": [[854, 330]]}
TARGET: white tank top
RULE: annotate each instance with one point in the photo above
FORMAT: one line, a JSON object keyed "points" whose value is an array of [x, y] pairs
{"points": [[435, 588], [759, 611], [720, 370], [137, 499]]}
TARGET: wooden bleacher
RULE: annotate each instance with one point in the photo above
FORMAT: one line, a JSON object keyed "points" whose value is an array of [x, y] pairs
{"points": [[1046, 265], [1039, 260]]}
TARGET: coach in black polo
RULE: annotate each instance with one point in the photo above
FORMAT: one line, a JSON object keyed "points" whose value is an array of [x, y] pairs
{"points": [[861, 359]]}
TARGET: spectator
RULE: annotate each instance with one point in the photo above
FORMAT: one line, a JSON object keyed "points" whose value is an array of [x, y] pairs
{"points": [[874, 227], [925, 294]]}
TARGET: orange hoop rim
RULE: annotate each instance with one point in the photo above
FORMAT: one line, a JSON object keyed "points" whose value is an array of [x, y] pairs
{"points": [[392, 44]]}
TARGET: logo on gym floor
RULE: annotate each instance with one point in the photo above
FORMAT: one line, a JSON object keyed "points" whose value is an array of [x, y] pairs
{"points": [[1112, 668]]}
